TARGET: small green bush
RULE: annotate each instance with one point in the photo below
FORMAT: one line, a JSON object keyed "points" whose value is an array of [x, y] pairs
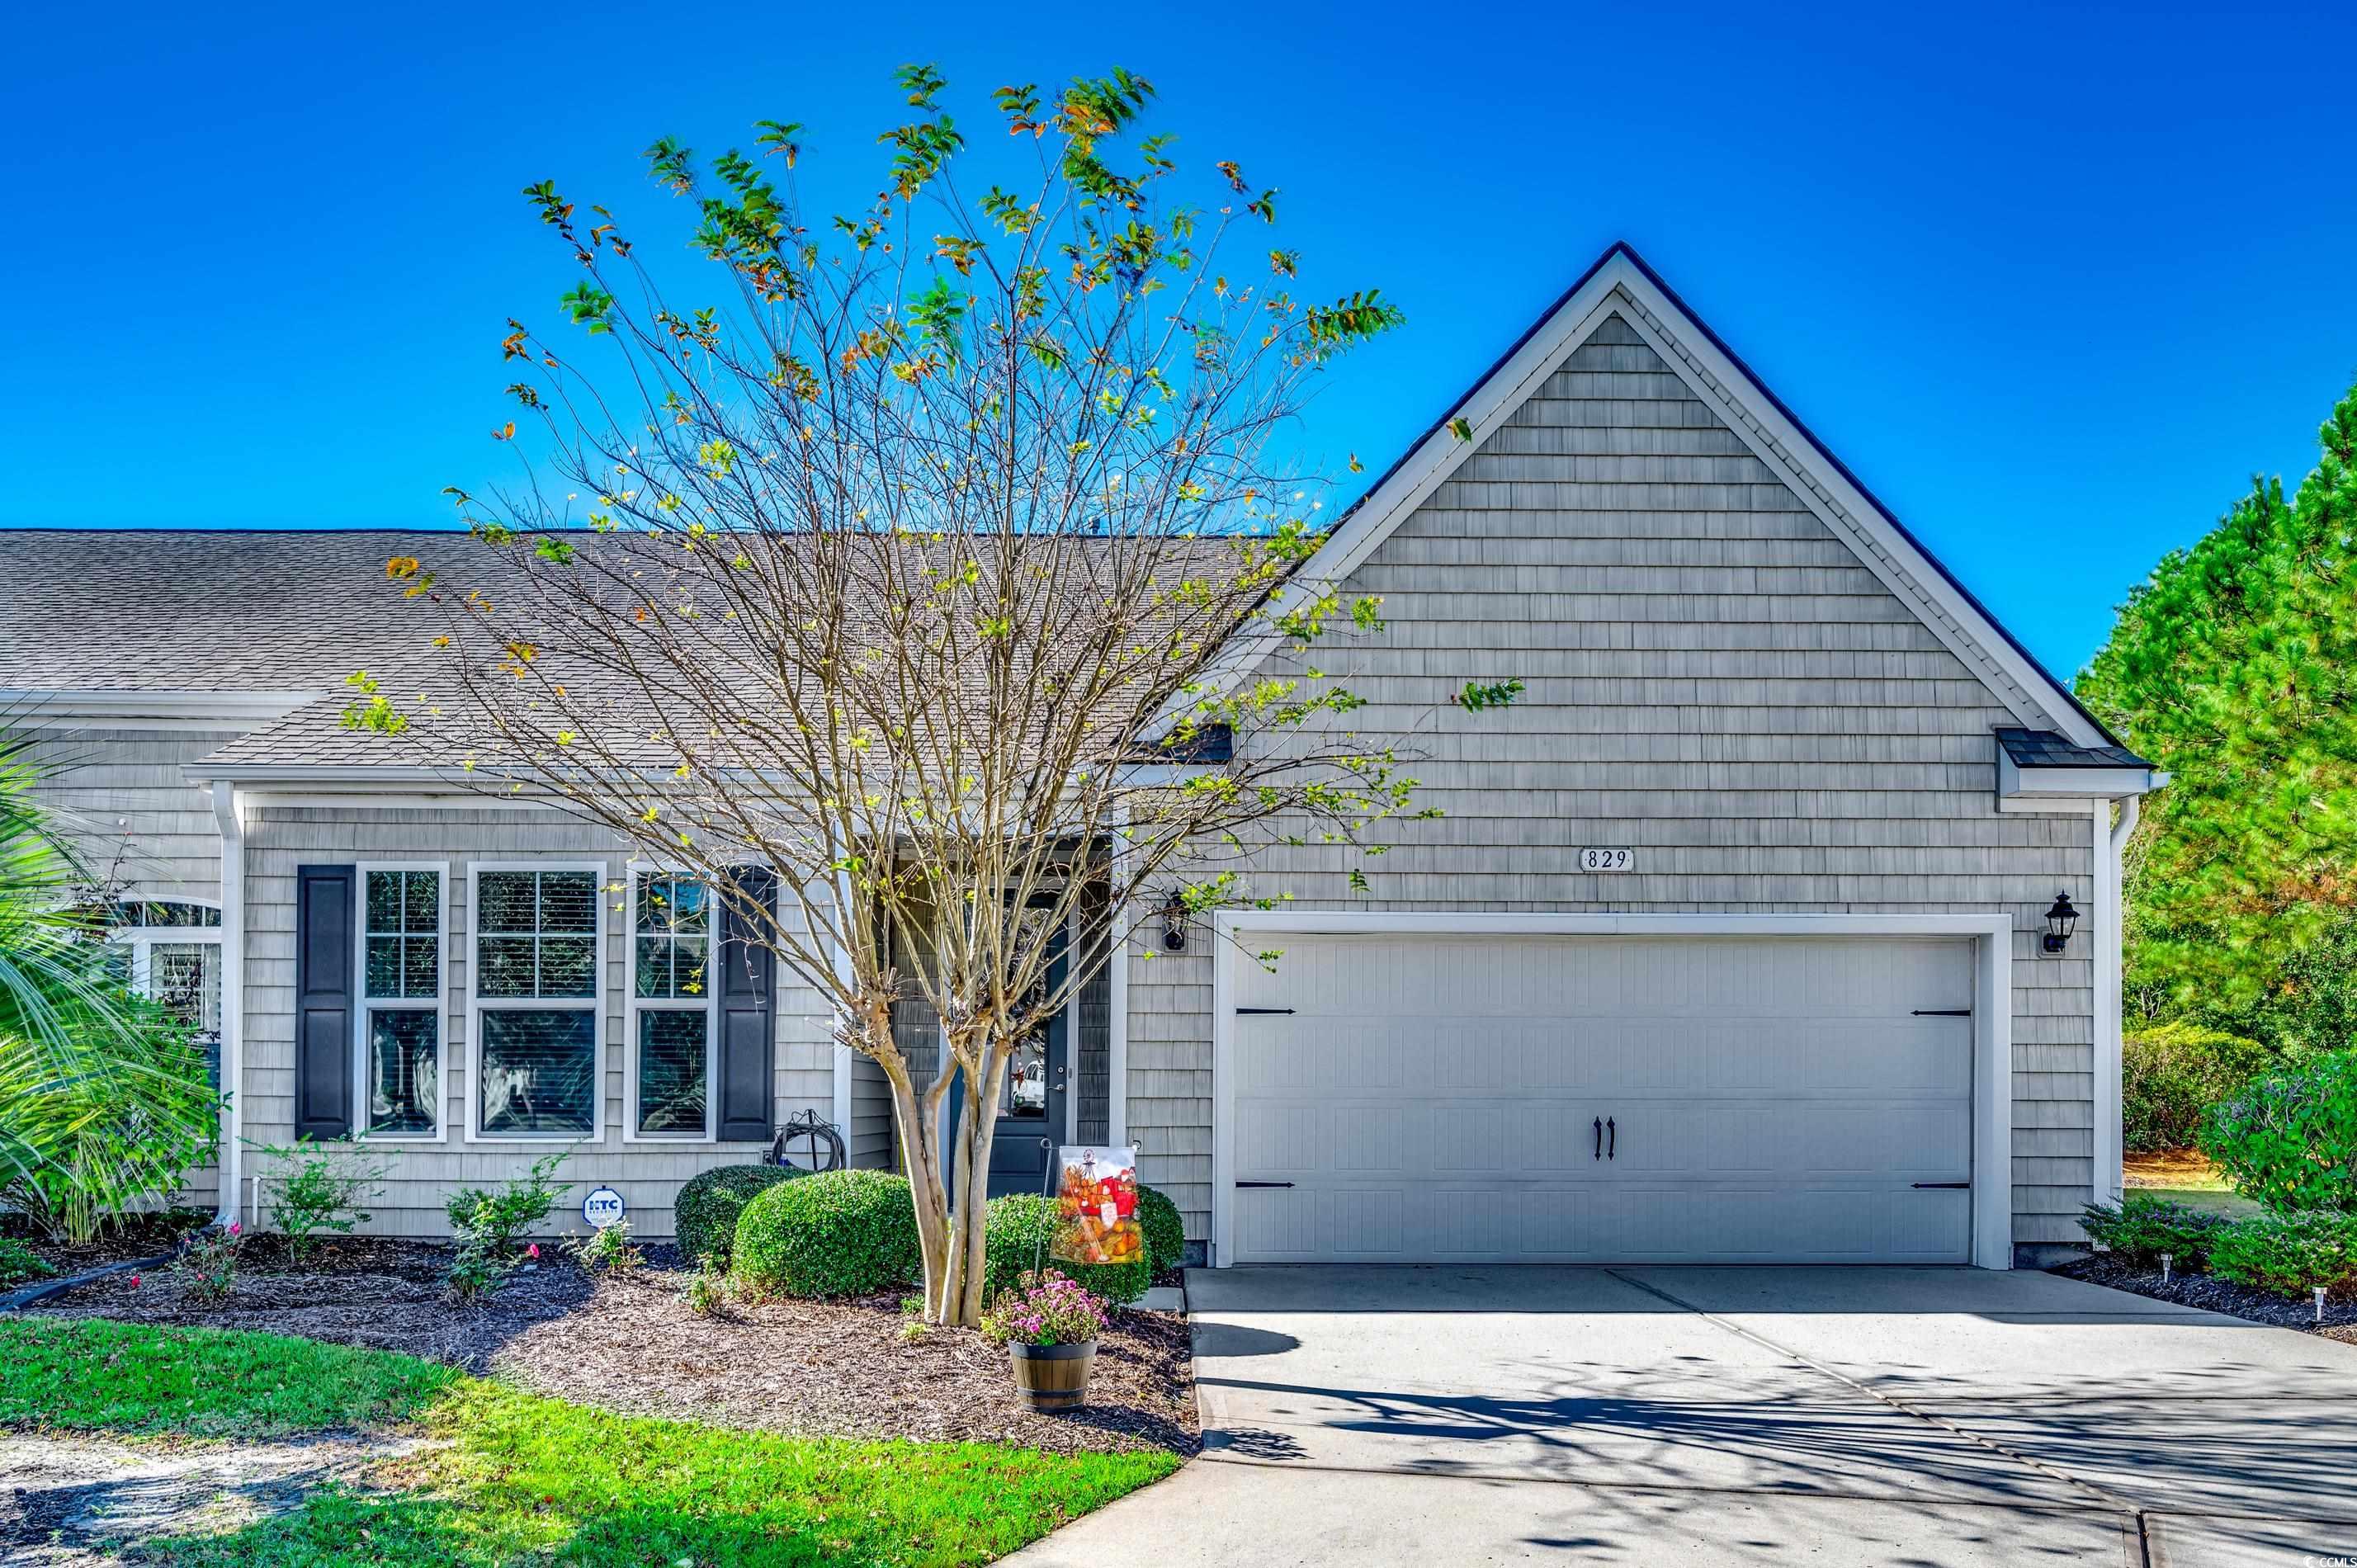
{"points": [[317, 1190], [19, 1265], [497, 1221], [2171, 1073], [2289, 1254], [1018, 1231], [1166, 1232], [848, 1232], [707, 1208], [2290, 1139], [2143, 1227]]}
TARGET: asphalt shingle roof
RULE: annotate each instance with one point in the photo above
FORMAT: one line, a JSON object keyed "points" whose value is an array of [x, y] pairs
{"points": [[2044, 749]]}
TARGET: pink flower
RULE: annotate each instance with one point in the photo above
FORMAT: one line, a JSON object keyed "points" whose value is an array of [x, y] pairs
{"points": [[533, 1251], [235, 1229], [134, 1282]]}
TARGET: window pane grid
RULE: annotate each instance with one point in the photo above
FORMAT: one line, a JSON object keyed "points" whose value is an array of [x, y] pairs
{"points": [[402, 944], [537, 943]]}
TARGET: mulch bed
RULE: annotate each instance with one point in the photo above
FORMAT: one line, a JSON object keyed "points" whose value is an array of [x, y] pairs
{"points": [[628, 1343], [2213, 1294], [143, 1236]]}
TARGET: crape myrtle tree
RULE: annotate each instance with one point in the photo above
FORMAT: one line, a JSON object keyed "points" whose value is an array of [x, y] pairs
{"points": [[914, 562], [2234, 667]]}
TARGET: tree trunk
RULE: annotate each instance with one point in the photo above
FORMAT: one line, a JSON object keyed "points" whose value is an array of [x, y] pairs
{"points": [[974, 1214]]}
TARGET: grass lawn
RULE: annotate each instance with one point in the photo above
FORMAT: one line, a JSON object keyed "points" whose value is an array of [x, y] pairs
{"points": [[515, 1474], [2187, 1178]]}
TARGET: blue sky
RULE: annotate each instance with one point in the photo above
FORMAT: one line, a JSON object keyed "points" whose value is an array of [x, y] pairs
{"points": [[2053, 281]]}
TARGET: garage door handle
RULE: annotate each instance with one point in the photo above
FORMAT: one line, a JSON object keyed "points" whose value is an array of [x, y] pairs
{"points": [[1945, 1185], [1599, 1138], [1263, 1184], [1612, 1151]]}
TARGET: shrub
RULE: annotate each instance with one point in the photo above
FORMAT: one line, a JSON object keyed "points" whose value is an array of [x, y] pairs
{"points": [[2290, 1139], [1043, 1309], [707, 1208], [498, 1220], [476, 1270], [318, 1188], [1166, 1232], [2171, 1073], [2290, 1254], [19, 1265], [1016, 1235], [707, 1290], [608, 1248], [2143, 1227], [848, 1232], [210, 1263]]}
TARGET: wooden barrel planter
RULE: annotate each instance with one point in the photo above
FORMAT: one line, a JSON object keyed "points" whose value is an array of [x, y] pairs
{"points": [[1053, 1377]]}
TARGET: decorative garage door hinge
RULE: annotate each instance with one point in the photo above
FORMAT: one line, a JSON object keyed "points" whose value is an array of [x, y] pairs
{"points": [[1254, 1011], [1263, 1184], [1944, 1012]]}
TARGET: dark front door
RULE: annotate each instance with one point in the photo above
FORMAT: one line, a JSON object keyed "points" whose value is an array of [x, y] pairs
{"points": [[1031, 1107]]}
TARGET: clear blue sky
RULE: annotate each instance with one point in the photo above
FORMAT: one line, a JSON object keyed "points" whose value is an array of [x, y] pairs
{"points": [[2054, 281]]}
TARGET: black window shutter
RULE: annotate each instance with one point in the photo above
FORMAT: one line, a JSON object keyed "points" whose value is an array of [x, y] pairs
{"points": [[326, 903], [749, 1015]]}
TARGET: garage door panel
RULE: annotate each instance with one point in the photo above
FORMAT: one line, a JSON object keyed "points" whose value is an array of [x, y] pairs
{"points": [[1436, 1098]]}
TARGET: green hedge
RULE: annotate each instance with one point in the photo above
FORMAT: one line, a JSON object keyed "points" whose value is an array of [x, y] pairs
{"points": [[2172, 1073], [2290, 1139], [707, 1208], [2143, 1227], [2290, 1254], [1018, 1231], [836, 1233], [1166, 1232]]}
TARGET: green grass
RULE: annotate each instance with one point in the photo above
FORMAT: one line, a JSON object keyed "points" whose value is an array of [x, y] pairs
{"points": [[516, 1475], [88, 1375], [2221, 1200]]}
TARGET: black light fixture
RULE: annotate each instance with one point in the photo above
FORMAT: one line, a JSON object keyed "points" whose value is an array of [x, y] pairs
{"points": [[2060, 920], [1173, 922]]}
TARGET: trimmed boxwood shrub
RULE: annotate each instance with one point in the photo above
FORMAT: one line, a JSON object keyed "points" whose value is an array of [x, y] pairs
{"points": [[707, 1208], [1016, 1233], [836, 1233], [2290, 1254], [1166, 1232], [2171, 1073], [2290, 1139], [2143, 1227]]}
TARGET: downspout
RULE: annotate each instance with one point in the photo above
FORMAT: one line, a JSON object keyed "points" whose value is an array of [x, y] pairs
{"points": [[2111, 911], [1117, 992], [232, 999]]}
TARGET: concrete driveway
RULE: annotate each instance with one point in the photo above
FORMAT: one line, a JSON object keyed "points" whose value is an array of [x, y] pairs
{"points": [[1699, 1417]]}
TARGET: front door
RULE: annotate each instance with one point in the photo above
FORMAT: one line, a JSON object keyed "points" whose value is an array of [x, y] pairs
{"points": [[1030, 1121]]}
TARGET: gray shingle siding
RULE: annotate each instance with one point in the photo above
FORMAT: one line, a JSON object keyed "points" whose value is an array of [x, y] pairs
{"points": [[1713, 679]]}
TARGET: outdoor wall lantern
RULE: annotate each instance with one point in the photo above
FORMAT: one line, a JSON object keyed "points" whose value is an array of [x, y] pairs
{"points": [[1173, 922], [2060, 920]]}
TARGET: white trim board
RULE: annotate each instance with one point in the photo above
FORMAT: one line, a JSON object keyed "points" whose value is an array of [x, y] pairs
{"points": [[1991, 933], [1620, 284]]}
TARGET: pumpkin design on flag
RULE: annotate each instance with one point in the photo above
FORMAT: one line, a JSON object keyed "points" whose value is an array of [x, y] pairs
{"points": [[1096, 1207]]}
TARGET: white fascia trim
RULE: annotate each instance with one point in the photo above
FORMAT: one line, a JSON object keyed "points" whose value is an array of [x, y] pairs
{"points": [[363, 1005], [34, 706], [2014, 782], [1992, 937], [232, 825]]}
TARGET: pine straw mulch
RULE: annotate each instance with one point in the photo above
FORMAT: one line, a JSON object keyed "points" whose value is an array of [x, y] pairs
{"points": [[628, 1343], [2211, 1293]]}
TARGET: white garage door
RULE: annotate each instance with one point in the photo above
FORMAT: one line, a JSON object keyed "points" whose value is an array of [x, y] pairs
{"points": [[1592, 1099]]}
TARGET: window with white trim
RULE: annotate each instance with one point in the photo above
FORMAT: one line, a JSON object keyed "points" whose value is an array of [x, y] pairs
{"points": [[400, 1015], [171, 949], [535, 998], [672, 1004]]}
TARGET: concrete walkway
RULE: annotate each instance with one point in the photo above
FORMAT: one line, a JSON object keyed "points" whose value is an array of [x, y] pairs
{"points": [[1700, 1417]]}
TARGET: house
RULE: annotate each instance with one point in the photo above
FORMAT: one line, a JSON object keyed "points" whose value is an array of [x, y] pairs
{"points": [[1733, 944]]}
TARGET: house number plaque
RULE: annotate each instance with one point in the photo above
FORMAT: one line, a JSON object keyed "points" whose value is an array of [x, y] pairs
{"points": [[1607, 860]]}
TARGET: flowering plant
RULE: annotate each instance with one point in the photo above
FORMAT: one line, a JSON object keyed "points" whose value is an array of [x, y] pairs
{"points": [[210, 1263], [1043, 1309]]}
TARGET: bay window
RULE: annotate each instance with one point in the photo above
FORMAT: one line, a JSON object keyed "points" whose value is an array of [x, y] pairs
{"points": [[537, 933]]}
